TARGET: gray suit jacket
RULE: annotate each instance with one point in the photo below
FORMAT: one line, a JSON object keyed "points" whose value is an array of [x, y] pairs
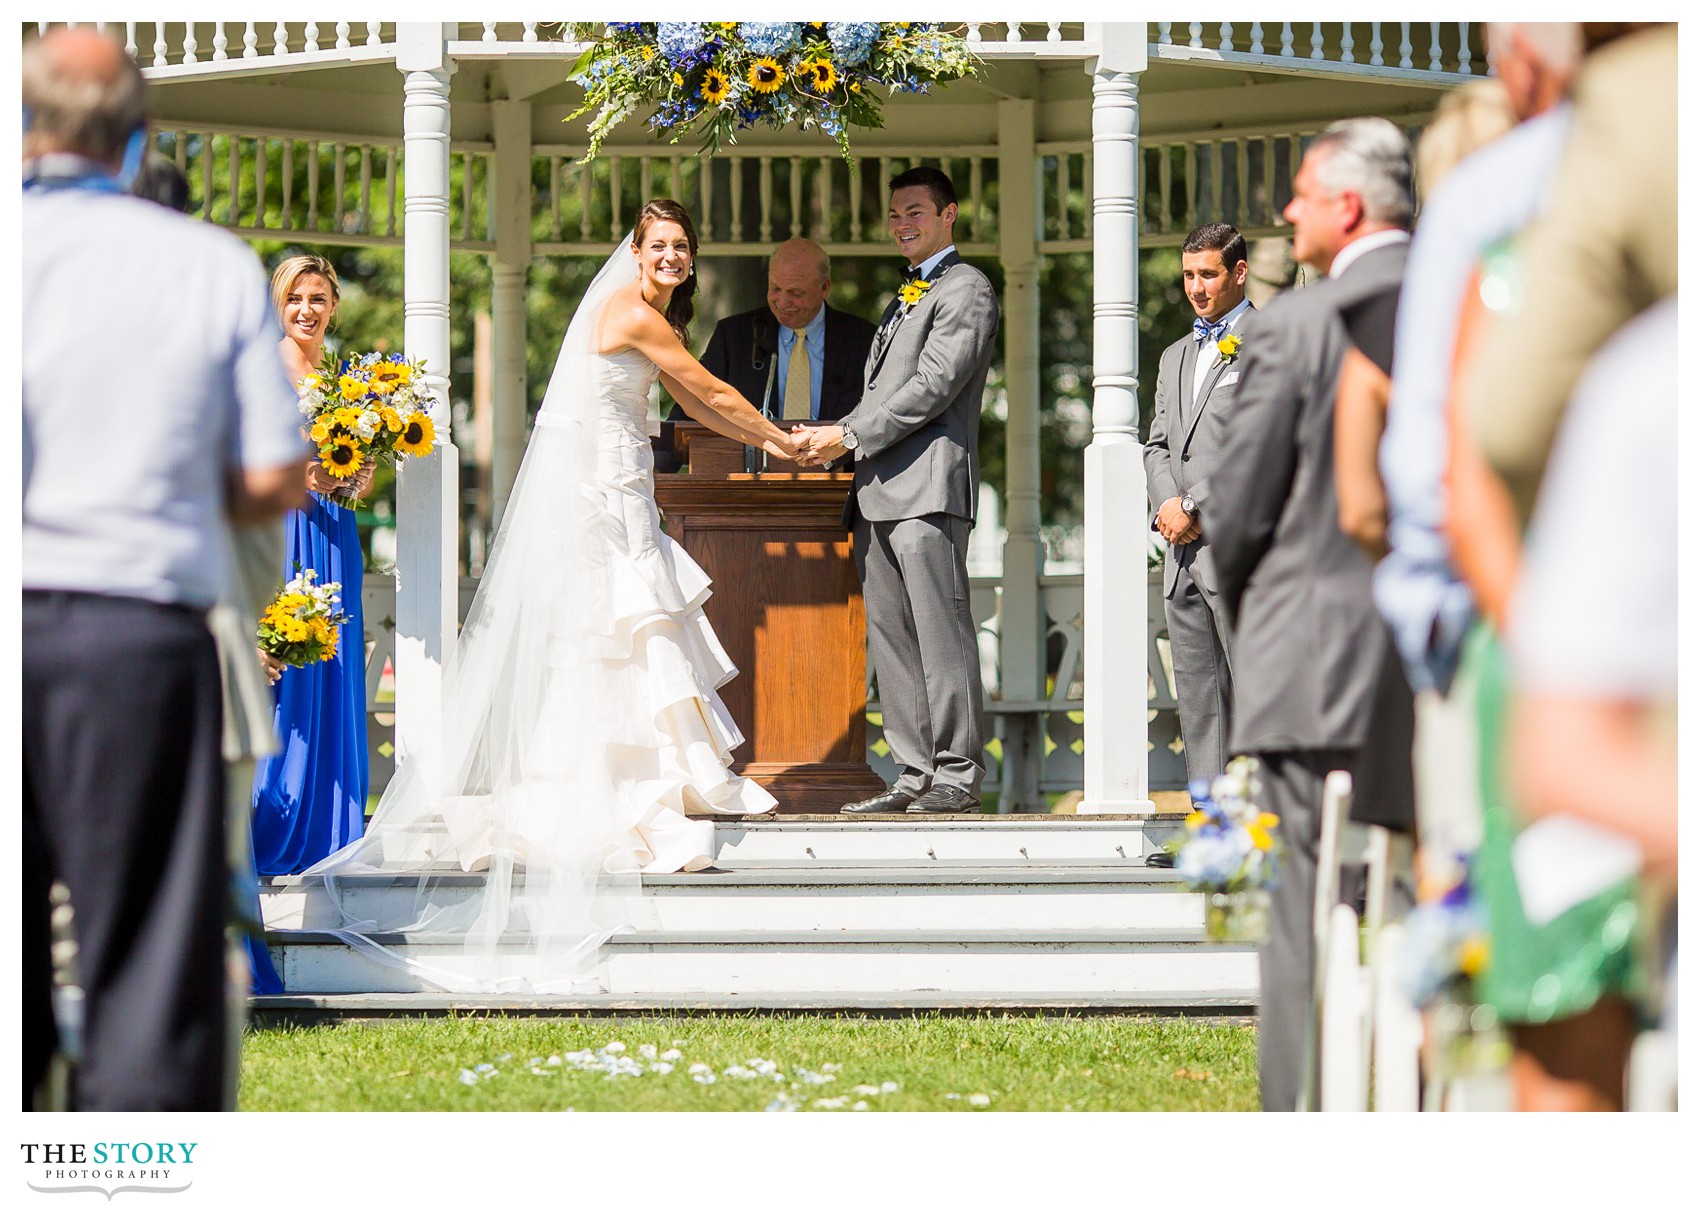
{"points": [[1185, 444], [1308, 644], [918, 422]]}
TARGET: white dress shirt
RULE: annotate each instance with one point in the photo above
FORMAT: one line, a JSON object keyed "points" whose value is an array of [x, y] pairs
{"points": [[1201, 366]]}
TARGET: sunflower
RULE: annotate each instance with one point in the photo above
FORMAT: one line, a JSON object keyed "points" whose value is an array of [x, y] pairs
{"points": [[715, 86], [294, 630], [765, 75], [417, 435], [387, 376], [817, 74], [342, 457], [678, 79]]}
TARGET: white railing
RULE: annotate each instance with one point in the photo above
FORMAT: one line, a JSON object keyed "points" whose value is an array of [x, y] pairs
{"points": [[289, 184], [328, 188], [747, 200], [1387, 48], [1059, 714], [1415, 50], [243, 45]]}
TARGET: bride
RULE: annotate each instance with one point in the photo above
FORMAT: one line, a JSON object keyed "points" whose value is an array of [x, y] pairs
{"points": [[580, 719]]}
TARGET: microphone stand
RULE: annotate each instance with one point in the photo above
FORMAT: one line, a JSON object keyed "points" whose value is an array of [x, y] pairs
{"points": [[755, 459]]}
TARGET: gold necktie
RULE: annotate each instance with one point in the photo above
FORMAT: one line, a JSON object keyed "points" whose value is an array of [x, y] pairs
{"points": [[797, 406]]}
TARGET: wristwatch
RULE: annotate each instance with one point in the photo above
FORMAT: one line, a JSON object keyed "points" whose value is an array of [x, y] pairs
{"points": [[1189, 505], [849, 442]]}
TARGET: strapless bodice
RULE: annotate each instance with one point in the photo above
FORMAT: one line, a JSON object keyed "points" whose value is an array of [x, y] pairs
{"points": [[623, 382]]}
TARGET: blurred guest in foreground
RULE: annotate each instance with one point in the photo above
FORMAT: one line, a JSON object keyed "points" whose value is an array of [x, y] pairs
{"points": [[1600, 254], [1310, 650], [254, 555], [126, 485]]}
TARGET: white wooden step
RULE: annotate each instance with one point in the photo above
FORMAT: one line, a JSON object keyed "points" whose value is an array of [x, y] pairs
{"points": [[1153, 963], [838, 840], [972, 898], [309, 1007]]}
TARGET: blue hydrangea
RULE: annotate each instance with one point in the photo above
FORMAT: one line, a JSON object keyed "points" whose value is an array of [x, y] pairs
{"points": [[1212, 860], [830, 123], [852, 41], [680, 40], [770, 37], [624, 27]]}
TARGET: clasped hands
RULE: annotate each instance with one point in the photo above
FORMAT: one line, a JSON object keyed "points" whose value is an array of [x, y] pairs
{"points": [[1175, 524], [817, 445]]}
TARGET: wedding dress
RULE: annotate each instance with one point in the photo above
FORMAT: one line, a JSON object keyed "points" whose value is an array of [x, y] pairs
{"points": [[580, 718]]}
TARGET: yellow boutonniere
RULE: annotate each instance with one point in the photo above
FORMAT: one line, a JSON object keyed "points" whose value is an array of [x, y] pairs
{"points": [[1228, 348], [913, 292]]}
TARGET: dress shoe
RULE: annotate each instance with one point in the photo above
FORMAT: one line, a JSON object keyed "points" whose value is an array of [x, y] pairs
{"points": [[943, 799], [892, 800], [1160, 859]]}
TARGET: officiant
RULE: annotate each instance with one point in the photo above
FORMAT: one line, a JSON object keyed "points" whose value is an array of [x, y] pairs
{"points": [[795, 358]]}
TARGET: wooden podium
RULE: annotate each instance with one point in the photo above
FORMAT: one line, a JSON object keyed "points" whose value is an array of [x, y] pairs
{"points": [[787, 606]]}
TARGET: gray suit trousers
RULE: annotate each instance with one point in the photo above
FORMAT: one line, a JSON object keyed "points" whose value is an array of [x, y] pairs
{"points": [[1204, 688], [921, 646], [1292, 790]]}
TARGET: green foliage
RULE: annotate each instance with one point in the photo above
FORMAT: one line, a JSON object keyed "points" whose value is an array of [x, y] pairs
{"points": [[937, 1063]]}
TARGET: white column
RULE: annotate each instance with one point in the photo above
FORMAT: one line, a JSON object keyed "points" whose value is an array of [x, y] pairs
{"points": [[427, 513], [1117, 771], [1022, 626], [511, 125]]}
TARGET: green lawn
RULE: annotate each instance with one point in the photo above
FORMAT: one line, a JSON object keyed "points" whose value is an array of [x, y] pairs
{"points": [[931, 1063]]}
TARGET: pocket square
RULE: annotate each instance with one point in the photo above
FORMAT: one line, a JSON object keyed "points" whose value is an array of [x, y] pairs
{"points": [[1229, 377]]}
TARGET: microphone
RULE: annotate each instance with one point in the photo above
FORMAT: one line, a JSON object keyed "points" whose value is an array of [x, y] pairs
{"points": [[762, 344]]}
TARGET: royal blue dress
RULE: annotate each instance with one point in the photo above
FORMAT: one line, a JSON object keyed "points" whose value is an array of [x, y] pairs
{"points": [[310, 797]]}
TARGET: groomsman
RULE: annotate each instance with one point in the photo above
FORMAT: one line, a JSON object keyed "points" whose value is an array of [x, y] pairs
{"points": [[1196, 380], [915, 437], [1309, 646]]}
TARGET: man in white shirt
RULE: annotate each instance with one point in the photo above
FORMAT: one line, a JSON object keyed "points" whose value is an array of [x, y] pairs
{"points": [[1196, 379], [154, 405]]}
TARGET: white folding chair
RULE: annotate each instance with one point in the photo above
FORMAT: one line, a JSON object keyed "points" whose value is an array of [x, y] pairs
{"points": [[1359, 1016]]}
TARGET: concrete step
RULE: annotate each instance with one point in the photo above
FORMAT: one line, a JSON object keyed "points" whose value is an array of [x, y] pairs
{"points": [[760, 897], [680, 964]]}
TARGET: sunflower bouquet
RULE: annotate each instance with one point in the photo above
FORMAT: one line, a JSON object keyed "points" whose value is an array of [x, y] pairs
{"points": [[366, 409], [721, 77], [300, 625]]}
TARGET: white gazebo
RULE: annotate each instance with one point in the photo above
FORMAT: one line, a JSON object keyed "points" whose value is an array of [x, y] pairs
{"points": [[450, 137]]}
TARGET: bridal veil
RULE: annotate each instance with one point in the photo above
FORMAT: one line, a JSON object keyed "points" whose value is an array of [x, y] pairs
{"points": [[500, 862]]}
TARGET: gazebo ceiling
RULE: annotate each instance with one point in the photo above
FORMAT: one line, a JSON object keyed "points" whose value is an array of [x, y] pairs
{"points": [[365, 100]]}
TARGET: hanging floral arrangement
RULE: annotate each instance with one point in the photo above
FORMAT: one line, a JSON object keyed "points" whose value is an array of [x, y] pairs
{"points": [[720, 77]]}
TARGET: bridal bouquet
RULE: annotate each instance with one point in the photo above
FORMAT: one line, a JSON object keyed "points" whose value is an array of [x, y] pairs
{"points": [[1230, 852], [721, 77], [300, 626], [366, 409]]}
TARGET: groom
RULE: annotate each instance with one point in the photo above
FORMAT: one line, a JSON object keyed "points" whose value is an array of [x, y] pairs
{"points": [[915, 441]]}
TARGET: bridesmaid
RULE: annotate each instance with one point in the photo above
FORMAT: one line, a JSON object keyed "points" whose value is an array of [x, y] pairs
{"points": [[310, 797]]}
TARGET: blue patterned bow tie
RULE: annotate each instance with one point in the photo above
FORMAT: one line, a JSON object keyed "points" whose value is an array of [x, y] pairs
{"points": [[1203, 330]]}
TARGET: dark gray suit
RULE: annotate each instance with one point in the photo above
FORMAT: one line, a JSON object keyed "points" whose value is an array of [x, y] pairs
{"points": [[917, 480], [1181, 453], [1309, 646]]}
